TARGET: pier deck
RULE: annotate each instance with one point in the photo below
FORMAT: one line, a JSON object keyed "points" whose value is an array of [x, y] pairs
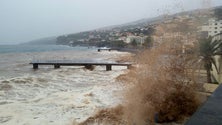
{"points": [[107, 49], [88, 64]]}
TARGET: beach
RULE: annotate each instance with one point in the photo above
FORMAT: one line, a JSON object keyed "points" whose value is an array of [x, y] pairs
{"points": [[56, 96]]}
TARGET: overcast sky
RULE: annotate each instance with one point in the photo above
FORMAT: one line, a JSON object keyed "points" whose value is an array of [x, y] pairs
{"points": [[25, 20]]}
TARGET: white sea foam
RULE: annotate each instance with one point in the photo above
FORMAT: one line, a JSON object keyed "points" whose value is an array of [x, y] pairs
{"points": [[55, 97]]}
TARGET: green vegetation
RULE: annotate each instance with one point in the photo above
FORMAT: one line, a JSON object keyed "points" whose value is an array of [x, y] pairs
{"points": [[133, 43], [148, 42], [209, 48]]}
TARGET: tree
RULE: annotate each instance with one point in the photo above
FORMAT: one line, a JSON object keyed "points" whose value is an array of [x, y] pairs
{"points": [[133, 43], [209, 48], [148, 42]]}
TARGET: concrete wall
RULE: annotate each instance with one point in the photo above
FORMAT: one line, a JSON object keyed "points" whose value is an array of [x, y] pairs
{"points": [[217, 76]]}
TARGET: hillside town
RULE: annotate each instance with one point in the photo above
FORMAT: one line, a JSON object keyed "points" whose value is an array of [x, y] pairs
{"points": [[113, 38], [185, 27]]}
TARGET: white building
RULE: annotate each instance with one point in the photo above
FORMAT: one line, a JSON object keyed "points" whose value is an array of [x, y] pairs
{"points": [[140, 40], [213, 27]]}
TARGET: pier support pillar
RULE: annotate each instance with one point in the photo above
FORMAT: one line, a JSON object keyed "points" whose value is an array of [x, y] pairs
{"points": [[108, 67], [89, 67], [35, 66], [56, 66], [129, 66]]}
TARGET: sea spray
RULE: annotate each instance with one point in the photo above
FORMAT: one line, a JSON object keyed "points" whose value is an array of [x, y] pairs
{"points": [[161, 86], [158, 89]]}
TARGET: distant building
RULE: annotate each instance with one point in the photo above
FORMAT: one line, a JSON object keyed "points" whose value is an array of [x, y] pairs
{"points": [[140, 40], [81, 40], [71, 43], [212, 28]]}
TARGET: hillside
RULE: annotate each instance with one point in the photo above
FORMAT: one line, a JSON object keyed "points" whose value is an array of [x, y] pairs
{"points": [[114, 35]]}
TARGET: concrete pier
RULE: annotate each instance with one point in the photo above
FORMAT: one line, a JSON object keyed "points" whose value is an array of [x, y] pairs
{"points": [[87, 64]]}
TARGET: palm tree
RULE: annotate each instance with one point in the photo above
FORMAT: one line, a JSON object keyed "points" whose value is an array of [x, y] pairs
{"points": [[209, 48]]}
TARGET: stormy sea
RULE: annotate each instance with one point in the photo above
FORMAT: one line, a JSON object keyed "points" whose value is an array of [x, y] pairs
{"points": [[55, 96]]}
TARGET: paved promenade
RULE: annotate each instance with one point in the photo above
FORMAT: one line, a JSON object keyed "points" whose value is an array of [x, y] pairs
{"points": [[210, 113]]}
